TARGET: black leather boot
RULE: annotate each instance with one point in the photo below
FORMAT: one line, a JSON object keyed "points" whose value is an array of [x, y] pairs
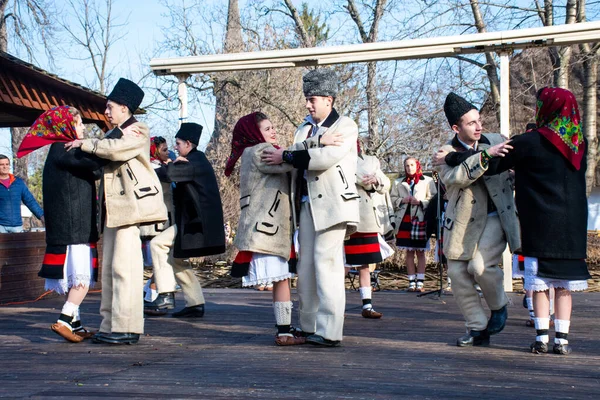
{"points": [[497, 320], [474, 338], [164, 302]]}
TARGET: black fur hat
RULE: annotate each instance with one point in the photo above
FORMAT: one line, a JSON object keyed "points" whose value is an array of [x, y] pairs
{"points": [[127, 93], [190, 131], [455, 107]]}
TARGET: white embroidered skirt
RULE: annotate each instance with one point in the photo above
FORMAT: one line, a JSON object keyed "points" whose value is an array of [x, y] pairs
{"points": [[265, 269], [77, 271], [538, 284]]}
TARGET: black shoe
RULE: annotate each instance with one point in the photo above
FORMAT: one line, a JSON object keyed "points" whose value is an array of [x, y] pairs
{"points": [[190, 312], [562, 349], [539, 347], [116, 338], [164, 301], [299, 332], [497, 320], [474, 338], [321, 341]]}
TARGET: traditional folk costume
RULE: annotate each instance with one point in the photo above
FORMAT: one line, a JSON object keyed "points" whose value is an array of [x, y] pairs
{"points": [[480, 219], [69, 194], [132, 196], [550, 165], [198, 228], [148, 232], [411, 226], [328, 207], [367, 245], [264, 236]]}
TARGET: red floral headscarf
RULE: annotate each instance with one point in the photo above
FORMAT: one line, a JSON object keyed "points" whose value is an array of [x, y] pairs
{"points": [[417, 175], [54, 125], [557, 118], [245, 134]]}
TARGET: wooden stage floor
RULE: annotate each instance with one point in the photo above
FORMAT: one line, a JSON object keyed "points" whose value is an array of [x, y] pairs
{"points": [[230, 354]]}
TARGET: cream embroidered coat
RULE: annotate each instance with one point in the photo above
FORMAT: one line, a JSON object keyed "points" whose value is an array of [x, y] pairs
{"points": [[374, 212], [132, 191], [265, 222], [423, 191], [467, 209], [330, 175]]}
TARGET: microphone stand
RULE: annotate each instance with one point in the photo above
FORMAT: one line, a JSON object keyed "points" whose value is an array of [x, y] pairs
{"points": [[438, 234]]}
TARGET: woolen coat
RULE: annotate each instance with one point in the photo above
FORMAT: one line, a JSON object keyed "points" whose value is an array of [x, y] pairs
{"points": [[132, 191], [198, 209], [467, 209], [265, 222], [372, 204], [152, 230], [330, 173], [69, 189], [550, 195], [423, 191]]}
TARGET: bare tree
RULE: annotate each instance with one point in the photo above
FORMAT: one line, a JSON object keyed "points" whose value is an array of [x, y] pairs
{"points": [[370, 36], [95, 32], [590, 101], [24, 24]]}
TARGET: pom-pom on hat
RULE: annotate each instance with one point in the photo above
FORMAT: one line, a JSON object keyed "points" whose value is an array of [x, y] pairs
{"points": [[455, 107], [127, 93]]}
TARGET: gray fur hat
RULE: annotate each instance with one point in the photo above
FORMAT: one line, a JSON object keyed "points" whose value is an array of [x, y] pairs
{"points": [[320, 82]]}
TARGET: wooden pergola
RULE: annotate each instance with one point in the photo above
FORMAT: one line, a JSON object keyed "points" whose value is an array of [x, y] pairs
{"points": [[26, 91], [503, 43]]}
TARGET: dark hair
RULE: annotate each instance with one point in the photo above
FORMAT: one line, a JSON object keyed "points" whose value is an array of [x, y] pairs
{"points": [[158, 140], [260, 117], [530, 126], [3, 157]]}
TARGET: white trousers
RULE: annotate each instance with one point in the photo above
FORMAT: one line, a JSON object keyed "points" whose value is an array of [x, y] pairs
{"points": [[122, 304], [482, 269], [321, 278], [168, 271]]}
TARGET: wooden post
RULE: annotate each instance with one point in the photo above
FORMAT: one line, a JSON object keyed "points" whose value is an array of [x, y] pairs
{"points": [[505, 131], [183, 98]]}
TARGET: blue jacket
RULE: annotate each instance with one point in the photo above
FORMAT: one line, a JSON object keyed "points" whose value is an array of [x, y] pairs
{"points": [[10, 202]]}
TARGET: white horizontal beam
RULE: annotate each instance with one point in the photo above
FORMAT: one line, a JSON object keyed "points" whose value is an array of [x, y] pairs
{"points": [[443, 46]]}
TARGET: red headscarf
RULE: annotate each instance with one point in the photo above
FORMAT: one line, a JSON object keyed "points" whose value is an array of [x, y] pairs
{"points": [[417, 175], [154, 150], [557, 118], [54, 125], [245, 134]]}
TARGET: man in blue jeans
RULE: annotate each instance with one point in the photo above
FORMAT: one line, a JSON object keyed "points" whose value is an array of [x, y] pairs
{"points": [[12, 191]]}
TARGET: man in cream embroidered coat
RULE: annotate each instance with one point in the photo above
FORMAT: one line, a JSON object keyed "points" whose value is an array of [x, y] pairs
{"points": [[133, 196], [323, 179], [480, 219]]}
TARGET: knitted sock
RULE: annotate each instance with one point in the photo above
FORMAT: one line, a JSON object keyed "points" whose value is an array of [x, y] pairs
{"points": [[561, 327], [283, 317], [529, 301], [365, 295], [420, 277], [76, 323], [66, 315], [541, 328]]}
